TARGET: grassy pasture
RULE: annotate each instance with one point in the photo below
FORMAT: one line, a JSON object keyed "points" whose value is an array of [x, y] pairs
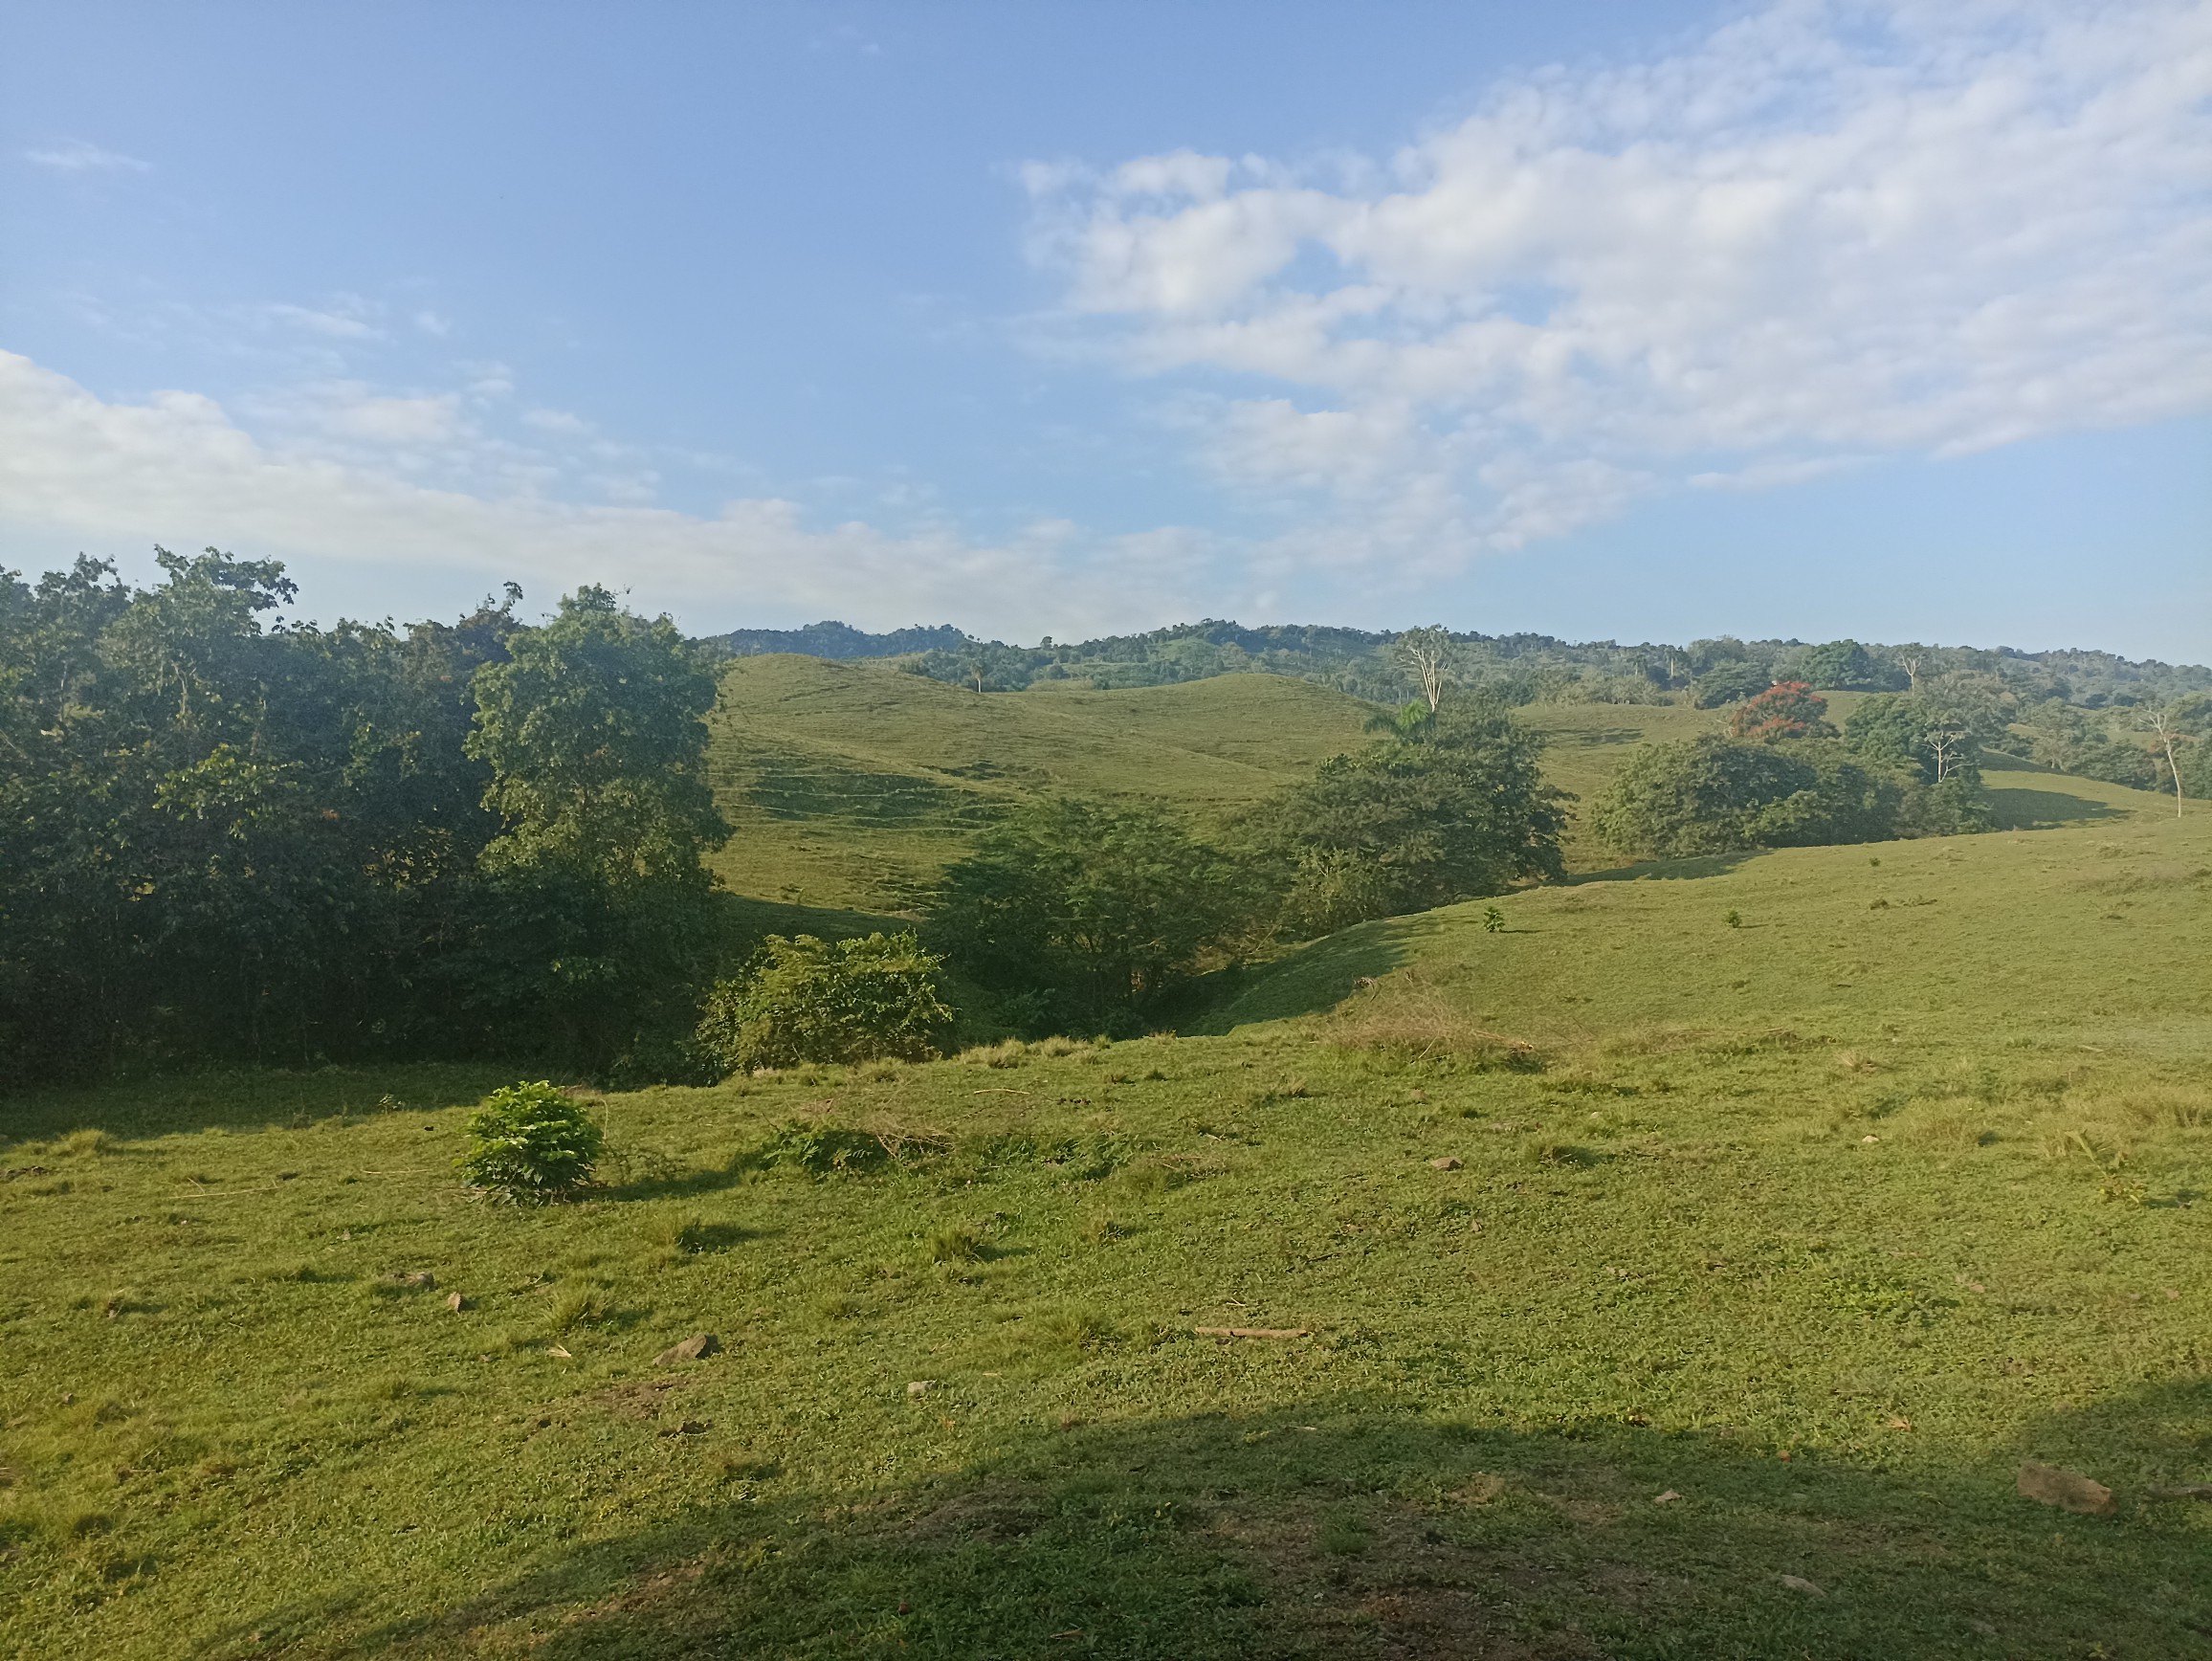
{"points": [[1774, 1246], [851, 785]]}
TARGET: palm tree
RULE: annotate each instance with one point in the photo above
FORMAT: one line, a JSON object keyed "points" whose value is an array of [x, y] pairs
{"points": [[1409, 724]]}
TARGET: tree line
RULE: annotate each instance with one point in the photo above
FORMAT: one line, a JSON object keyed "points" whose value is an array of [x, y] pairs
{"points": [[225, 836]]}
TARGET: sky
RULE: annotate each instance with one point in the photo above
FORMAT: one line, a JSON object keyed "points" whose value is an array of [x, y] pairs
{"points": [[1641, 321]]}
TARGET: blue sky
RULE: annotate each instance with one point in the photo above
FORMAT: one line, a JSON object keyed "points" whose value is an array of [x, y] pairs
{"points": [[1642, 322]]}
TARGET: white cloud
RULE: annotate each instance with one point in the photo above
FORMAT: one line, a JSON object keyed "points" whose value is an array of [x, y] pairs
{"points": [[560, 421], [1831, 231], [79, 156], [177, 469], [337, 323]]}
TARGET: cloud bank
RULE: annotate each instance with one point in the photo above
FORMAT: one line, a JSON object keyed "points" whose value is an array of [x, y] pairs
{"points": [[1825, 234]]}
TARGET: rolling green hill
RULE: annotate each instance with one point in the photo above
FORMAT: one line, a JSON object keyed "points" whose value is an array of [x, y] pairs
{"points": [[851, 785], [1634, 1282]]}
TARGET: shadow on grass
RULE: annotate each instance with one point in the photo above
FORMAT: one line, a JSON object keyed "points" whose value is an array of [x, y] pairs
{"points": [[2019, 810], [1366, 1527], [1311, 978], [248, 1098], [1669, 870], [681, 1185]]}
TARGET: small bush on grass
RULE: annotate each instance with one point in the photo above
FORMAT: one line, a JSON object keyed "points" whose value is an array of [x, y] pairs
{"points": [[956, 1243], [531, 1143], [807, 999], [824, 1150]]}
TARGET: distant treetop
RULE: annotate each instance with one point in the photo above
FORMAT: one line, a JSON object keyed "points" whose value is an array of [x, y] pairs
{"points": [[837, 640]]}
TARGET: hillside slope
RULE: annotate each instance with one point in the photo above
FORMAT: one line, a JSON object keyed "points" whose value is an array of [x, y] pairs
{"points": [[851, 785], [1718, 1322], [2098, 932]]}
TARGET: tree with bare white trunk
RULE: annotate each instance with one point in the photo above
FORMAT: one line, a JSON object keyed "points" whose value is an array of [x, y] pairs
{"points": [[2165, 737], [1426, 655]]}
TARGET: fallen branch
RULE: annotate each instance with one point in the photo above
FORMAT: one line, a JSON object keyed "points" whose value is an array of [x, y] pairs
{"points": [[1251, 1332]]}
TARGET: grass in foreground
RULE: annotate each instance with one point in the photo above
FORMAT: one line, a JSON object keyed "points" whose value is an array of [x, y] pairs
{"points": [[1818, 1223]]}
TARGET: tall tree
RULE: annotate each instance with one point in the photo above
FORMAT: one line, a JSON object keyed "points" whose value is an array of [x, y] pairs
{"points": [[1451, 812], [595, 733]]}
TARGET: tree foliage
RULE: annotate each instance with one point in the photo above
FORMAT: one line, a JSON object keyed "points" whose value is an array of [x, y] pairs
{"points": [[1729, 682], [1435, 813], [1715, 795], [805, 1000], [1081, 915], [1847, 666], [595, 732], [1789, 709], [223, 835]]}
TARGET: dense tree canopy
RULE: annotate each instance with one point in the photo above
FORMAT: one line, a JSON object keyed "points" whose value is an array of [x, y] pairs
{"points": [[224, 836], [1079, 915], [1439, 811], [595, 732], [1789, 709], [1712, 795]]}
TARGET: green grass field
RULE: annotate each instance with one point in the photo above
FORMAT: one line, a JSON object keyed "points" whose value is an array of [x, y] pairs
{"points": [[851, 785], [1800, 1197]]}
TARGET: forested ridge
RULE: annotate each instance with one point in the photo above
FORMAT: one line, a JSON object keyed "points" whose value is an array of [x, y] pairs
{"points": [[1522, 667]]}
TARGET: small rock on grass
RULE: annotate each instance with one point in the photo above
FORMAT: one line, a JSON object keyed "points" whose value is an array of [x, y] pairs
{"points": [[697, 1347], [1444, 1162], [2068, 1489], [921, 1386], [1799, 1583]]}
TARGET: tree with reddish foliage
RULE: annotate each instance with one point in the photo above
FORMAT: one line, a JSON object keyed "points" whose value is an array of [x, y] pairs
{"points": [[1789, 709]]}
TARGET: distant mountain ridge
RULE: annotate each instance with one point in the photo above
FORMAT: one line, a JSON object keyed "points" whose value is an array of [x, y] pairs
{"points": [[1525, 667]]}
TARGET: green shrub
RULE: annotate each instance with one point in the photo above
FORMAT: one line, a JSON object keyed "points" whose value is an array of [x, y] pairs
{"points": [[531, 1143], [824, 1150], [807, 999], [1713, 795]]}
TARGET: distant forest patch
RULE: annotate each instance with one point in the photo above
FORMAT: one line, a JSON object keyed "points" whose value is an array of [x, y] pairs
{"points": [[1520, 668]]}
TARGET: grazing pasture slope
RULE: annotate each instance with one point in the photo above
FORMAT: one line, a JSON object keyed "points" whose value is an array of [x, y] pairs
{"points": [[1798, 1200]]}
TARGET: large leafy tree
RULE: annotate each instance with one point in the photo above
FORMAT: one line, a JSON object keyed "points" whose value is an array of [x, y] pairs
{"points": [[223, 835], [1788, 709], [1439, 811], [1715, 795], [1916, 735], [595, 734], [1081, 915]]}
